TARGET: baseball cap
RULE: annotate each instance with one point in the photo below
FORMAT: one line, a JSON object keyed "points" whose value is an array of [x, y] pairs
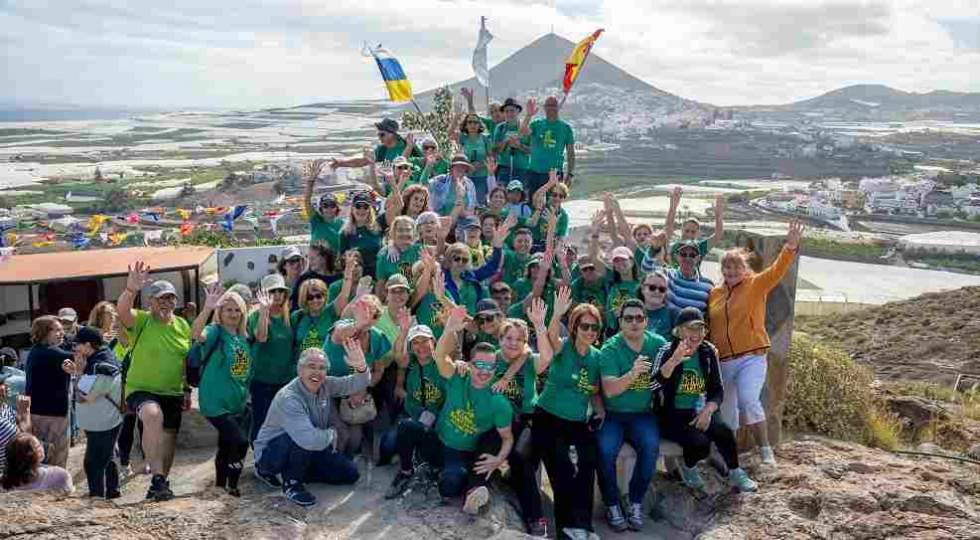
{"points": [[290, 252], [689, 316], [362, 197], [678, 246], [621, 252], [8, 354], [396, 281], [468, 222], [328, 198], [400, 161], [420, 330], [515, 185], [87, 334], [535, 259], [162, 288], [67, 314], [487, 305], [585, 261], [388, 125], [273, 282]]}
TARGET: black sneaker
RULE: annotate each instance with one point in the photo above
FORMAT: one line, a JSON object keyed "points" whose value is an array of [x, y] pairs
{"points": [[113, 495], [271, 480], [297, 493], [399, 484], [159, 489]]}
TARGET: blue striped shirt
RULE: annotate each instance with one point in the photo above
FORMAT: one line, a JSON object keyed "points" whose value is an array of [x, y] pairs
{"points": [[683, 292]]}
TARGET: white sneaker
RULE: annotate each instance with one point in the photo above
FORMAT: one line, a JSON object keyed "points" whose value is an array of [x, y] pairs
{"points": [[476, 499], [768, 457]]}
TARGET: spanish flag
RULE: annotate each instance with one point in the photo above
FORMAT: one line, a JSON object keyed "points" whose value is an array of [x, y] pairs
{"points": [[575, 61], [399, 89]]}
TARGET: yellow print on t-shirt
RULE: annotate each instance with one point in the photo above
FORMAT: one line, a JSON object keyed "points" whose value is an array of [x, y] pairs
{"points": [[641, 382], [692, 383], [239, 368], [464, 420], [312, 339], [583, 382], [427, 393], [548, 139], [515, 391]]}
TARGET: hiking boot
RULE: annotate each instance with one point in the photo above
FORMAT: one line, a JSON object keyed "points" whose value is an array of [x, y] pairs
{"points": [[740, 480], [692, 478], [635, 517], [538, 528], [399, 485], [298, 494], [614, 516], [159, 489], [767, 455], [476, 498], [271, 480]]}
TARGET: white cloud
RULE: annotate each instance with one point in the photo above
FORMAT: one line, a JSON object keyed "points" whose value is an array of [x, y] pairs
{"points": [[254, 53]]}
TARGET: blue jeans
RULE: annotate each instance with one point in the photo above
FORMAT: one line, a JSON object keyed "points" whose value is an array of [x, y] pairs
{"points": [[285, 457], [643, 434], [457, 476], [262, 394]]}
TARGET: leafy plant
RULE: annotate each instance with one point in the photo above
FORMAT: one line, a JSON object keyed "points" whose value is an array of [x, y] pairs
{"points": [[437, 121]]}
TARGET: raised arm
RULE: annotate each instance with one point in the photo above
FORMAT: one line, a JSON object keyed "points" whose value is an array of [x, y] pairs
{"points": [[716, 236], [348, 284], [537, 314], [262, 325], [530, 110], [362, 321], [671, 223], [214, 293], [767, 279], [563, 300], [399, 350], [552, 182], [447, 342], [500, 233], [138, 277], [349, 162], [359, 380], [467, 94]]}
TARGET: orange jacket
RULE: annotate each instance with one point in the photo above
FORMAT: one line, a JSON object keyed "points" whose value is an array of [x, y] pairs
{"points": [[737, 315]]}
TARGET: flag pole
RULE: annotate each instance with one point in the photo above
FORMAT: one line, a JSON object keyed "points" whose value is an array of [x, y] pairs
{"points": [[483, 24], [417, 108]]}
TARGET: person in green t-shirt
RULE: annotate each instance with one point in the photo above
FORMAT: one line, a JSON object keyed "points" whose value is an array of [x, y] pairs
{"points": [[390, 145], [691, 228], [626, 370], [361, 231], [154, 387], [496, 115], [553, 215], [622, 283], [516, 259], [467, 132], [660, 315], [590, 287], [511, 148], [689, 393], [568, 411], [422, 389], [225, 375], [311, 323], [273, 365], [399, 254], [474, 424], [429, 165], [325, 221], [551, 138]]}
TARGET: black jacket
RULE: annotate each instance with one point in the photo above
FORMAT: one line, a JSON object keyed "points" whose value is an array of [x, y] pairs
{"points": [[664, 390], [47, 383], [103, 362]]}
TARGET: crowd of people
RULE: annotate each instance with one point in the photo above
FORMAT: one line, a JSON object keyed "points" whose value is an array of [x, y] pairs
{"points": [[440, 318]]}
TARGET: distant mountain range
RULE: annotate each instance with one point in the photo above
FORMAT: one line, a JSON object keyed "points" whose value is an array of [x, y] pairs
{"points": [[885, 100]]}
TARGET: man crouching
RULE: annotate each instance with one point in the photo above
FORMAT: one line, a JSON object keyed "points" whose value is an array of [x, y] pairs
{"points": [[296, 441]]}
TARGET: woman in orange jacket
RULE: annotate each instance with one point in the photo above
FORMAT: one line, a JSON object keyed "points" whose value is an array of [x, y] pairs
{"points": [[737, 322]]}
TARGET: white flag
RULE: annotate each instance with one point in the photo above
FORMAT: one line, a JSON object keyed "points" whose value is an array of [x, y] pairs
{"points": [[480, 54]]}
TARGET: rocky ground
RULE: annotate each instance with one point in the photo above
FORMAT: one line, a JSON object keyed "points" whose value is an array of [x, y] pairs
{"points": [[822, 489], [928, 338]]}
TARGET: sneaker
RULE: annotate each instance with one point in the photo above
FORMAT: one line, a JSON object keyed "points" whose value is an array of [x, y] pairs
{"points": [[271, 480], [475, 499], [399, 485], [576, 534], [739, 479], [159, 489], [538, 528], [113, 495], [125, 471], [615, 518], [692, 478], [768, 457], [635, 517], [297, 493]]}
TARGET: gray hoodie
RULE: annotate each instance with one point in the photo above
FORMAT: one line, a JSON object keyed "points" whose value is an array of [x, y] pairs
{"points": [[304, 416]]}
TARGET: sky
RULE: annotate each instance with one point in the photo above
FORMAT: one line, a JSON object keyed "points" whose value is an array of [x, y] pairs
{"points": [[248, 54]]}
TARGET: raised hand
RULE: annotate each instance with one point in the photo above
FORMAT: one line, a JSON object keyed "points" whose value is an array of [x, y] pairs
{"points": [[404, 318], [264, 300], [410, 140], [563, 301], [362, 313], [312, 169], [439, 283], [641, 365], [553, 176], [139, 276], [466, 93], [501, 231], [536, 313], [491, 164], [457, 319], [354, 355], [675, 194], [214, 293], [795, 234], [532, 107]]}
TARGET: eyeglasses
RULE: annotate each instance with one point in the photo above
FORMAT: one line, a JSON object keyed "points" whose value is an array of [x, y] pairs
{"points": [[314, 296], [688, 255], [589, 327], [461, 260], [403, 167], [633, 318], [588, 269], [170, 299], [656, 288], [496, 292], [362, 206], [294, 261], [482, 319]]}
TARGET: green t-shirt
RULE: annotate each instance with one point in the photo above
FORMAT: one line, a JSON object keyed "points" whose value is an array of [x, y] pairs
{"points": [[382, 153], [590, 293], [522, 390], [617, 295], [488, 125], [224, 382], [427, 311], [515, 265], [548, 142], [272, 361], [691, 388], [420, 176], [511, 157], [378, 346], [476, 150], [333, 293], [403, 265], [158, 359], [311, 331], [365, 241], [540, 229], [617, 360], [468, 296], [425, 388], [521, 288], [661, 321], [572, 381], [325, 231], [468, 413]]}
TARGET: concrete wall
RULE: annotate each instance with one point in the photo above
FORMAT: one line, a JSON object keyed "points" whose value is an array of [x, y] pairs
{"points": [[248, 265]]}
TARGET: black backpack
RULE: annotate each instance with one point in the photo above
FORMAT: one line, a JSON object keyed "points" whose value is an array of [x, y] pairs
{"points": [[197, 359]]}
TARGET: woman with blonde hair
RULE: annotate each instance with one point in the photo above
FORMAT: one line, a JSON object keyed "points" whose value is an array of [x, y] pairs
{"points": [[737, 323], [401, 251], [272, 349], [361, 231], [226, 369], [312, 321]]}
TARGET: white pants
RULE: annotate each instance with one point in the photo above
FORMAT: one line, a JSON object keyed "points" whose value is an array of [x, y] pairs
{"points": [[743, 379]]}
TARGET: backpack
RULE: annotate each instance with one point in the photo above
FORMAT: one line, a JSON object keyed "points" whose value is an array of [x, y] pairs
{"points": [[197, 359]]}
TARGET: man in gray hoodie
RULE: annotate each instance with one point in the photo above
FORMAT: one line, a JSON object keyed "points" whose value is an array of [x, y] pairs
{"points": [[296, 440]]}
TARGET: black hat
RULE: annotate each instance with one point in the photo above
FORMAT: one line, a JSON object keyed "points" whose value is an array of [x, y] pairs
{"points": [[388, 125], [689, 316], [362, 196], [87, 334], [511, 102]]}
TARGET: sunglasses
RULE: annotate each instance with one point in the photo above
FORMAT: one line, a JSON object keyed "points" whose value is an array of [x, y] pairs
{"points": [[589, 327], [688, 255], [314, 296], [403, 167], [482, 319], [496, 292], [296, 260], [381, 135], [461, 260], [362, 206], [633, 318], [656, 288], [588, 269]]}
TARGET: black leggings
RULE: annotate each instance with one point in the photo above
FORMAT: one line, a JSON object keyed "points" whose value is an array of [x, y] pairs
{"points": [[100, 470], [524, 472], [232, 448], [675, 425], [127, 435], [572, 484]]}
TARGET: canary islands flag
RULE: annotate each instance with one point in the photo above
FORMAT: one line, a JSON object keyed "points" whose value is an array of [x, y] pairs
{"points": [[399, 89], [575, 61]]}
